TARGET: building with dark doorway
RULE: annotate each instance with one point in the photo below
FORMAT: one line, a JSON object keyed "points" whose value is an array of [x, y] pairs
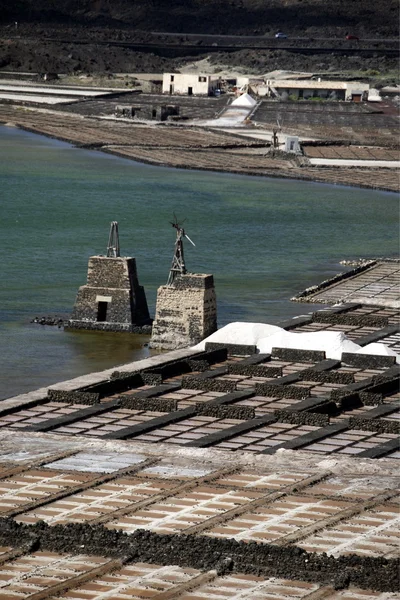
{"points": [[112, 299]]}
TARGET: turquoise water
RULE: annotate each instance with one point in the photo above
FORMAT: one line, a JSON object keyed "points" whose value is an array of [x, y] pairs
{"points": [[263, 239]]}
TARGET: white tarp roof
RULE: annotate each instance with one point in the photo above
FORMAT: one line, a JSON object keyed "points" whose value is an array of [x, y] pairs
{"points": [[244, 100]]}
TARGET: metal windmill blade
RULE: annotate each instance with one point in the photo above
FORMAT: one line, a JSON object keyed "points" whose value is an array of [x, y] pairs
{"points": [[188, 238]]}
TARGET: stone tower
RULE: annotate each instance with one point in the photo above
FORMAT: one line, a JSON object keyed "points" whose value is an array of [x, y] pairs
{"points": [[112, 299], [186, 310]]}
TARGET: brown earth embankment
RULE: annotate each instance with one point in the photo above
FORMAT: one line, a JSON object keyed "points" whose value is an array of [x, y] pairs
{"points": [[188, 148]]}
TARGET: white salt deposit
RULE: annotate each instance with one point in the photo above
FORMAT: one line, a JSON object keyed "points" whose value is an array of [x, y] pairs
{"points": [[244, 100], [35, 98], [379, 350], [46, 90], [332, 342], [247, 334], [266, 337]]}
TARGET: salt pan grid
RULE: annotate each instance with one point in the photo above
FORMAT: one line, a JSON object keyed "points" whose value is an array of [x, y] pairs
{"points": [[209, 509], [264, 437], [108, 422], [38, 414], [198, 426], [264, 405], [374, 533], [248, 587], [352, 488], [96, 502], [185, 510], [187, 430], [133, 582], [277, 519], [99, 462], [175, 471], [40, 571], [198, 508], [380, 282], [36, 485], [30, 574], [350, 442], [271, 481]]}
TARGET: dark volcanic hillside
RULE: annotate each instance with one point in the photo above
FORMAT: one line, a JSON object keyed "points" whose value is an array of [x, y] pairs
{"points": [[106, 36], [366, 17]]}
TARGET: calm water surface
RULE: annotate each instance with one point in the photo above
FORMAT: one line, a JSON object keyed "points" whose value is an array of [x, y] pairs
{"points": [[263, 239]]}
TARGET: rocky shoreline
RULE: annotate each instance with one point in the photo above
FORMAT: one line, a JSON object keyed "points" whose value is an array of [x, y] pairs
{"points": [[65, 323], [52, 321]]}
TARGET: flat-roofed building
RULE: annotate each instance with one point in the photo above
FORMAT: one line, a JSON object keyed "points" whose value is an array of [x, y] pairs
{"points": [[353, 91], [190, 84]]}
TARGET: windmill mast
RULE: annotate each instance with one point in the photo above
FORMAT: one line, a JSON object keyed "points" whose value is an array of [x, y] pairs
{"points": [[113, 241], [186, 308], [178, 262], [178, 266]]}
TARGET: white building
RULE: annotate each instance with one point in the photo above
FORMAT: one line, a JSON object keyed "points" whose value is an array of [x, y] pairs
{"points": [[292, 145], [353, 91], [190, 84]]}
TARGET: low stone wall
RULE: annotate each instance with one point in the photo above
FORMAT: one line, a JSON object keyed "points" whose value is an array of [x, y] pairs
{"points": [[225, 412], [172, 369], [367, 361], [115, 385], [346, 400], [281, 391], [106, 326], [295, 355], [378, 425], [233, 349], [345, 319], [369, 399], [206, 553], [208, 385], [73, 397], [151, 378], [369, 391], [304, 296], [314, 405], [153, 404], [254, 370], [302, 418], [326, 376], [198, 365]]}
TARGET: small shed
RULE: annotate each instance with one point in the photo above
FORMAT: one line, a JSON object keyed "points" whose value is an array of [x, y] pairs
{"points": [[292, 144]]}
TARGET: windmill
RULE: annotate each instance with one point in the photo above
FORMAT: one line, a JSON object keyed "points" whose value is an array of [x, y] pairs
{"points": [[275, 139], [178, 262]]}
